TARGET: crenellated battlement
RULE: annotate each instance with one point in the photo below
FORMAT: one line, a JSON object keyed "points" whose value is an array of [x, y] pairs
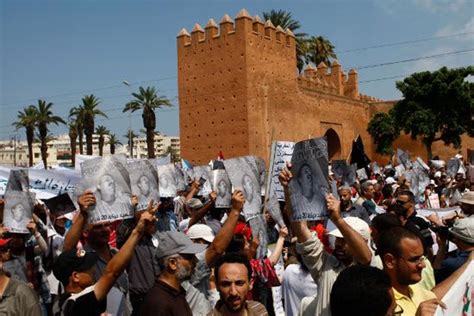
{"points": [[244, 25]]}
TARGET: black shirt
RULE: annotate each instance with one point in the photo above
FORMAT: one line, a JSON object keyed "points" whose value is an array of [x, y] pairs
{"points": [[83, 303], [165, 300], [422, 228]]}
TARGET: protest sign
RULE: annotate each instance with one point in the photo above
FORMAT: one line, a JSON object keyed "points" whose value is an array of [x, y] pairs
{"points": [[337, 167], [203, 172], [109, 180], [376, 168], [399, 170], [438, 164], [181, 178], [144, 182], [419, 163], [243, 177], [273, 208], [343, 172], [362, 174], [18, 210], [60, 205], [309, 185], [259, 230], [81, 158], [459, 299], [18, 180], [453, 166], [221, 185], [167, 180], [403, 158], [280, 155]]}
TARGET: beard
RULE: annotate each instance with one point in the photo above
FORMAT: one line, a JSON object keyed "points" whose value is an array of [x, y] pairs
{"points": [[183, 274]]}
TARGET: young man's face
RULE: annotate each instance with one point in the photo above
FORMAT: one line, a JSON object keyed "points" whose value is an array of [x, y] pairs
{"points": [[18, 212], [144, 185], [410, 263], [233, 285]]}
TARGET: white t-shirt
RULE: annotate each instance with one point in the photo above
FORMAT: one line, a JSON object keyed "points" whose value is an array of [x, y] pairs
{"points": [[297, 284]]}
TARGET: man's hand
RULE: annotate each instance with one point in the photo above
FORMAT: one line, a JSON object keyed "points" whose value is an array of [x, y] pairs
{"points": [[238, 200], [213, 196], [283, 232], [134, 201], [147, 218], [334, 207], [428, 308], [32, 227], [196, 186], [285, 176], [85, 201]]}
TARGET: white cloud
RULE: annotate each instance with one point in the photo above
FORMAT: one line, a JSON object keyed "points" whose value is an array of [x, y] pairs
{"points": [[439, 5], [451, 29], [431, 64]]}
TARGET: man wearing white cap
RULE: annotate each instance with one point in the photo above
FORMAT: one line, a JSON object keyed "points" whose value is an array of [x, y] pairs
{"points": [[467, 203]]}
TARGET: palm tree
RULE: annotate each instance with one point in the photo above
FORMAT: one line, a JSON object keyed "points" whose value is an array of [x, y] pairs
{"points": [[27, 119], [77, 113], [320, 50], [148, 101], [90, 110], [174, 157], [286, 21], [44, 117], [72, 139], [101, 131], [130, 136], [113, 141]]}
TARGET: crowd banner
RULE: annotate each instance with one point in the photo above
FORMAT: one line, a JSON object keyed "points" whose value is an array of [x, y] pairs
{"points": [[108, 179], [144, 182], [202, 173], [18, 210], [309, 185], [459, 299], [167, 180], [221, 185], [242, 176], [280, 155]]}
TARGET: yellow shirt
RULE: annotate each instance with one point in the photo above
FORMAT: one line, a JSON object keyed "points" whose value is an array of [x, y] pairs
{"points": [[418, 294]]}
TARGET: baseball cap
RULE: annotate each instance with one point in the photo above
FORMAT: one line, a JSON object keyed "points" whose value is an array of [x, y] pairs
{"points": [[200, 231], [357, 224], [173, 243], [73, 260], [467, 198], [464, 229], [4, 242], [194, 203]]}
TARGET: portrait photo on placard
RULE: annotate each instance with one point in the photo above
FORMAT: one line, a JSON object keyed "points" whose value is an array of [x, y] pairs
{"points": [[221, 185], [144, 182], [18, 211], [202, 173], [109, 180], [167, 179]]}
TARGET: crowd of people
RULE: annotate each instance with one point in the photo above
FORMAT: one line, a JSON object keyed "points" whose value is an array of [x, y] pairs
{"points": [[375, 254]]}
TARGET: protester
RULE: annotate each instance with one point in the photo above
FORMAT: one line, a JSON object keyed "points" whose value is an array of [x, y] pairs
{"points": [[350, 209]]}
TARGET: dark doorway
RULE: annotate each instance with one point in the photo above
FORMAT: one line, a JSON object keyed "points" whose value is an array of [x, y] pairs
{"points": [[334, 144]]}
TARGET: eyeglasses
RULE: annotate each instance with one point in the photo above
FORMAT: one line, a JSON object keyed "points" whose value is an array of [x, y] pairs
{"points": [[398, 310], [400, 202], [416, 261]]}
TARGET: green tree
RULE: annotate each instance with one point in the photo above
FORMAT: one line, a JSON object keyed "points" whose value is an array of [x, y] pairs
{"points": [[384, 131], [101, 131], [130, 136], [320, 49], [72, 140], [436, 106], [113, 141], [45, 117], [77, 113], [90, 104], [147, 100], [285, 20], [174, 156], [27, 120]]}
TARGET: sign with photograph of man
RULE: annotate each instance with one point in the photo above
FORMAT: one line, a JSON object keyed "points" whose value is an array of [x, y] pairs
{"points": [[343, 172], [167, 179], [144, 182], [309, 185], [109, 180], [403, 158], [243, 177], [18, 180], [453, 166], [18, 211], [259, 230], [203, 172], [280, 156], [221, 185]]}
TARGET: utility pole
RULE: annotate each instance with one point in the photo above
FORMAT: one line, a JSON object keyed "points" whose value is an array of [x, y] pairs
{"points": [[125, 82], [14, 150]]}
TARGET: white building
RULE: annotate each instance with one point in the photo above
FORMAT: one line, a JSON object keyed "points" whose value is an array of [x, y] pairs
{"points": [[162, 142]]}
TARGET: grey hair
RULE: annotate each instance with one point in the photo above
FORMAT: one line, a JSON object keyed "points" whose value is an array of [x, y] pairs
{"points": [[163, 262], [364, 187]]}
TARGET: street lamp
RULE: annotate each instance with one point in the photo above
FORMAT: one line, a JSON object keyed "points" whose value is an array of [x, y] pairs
{"points": [[125, 82]]}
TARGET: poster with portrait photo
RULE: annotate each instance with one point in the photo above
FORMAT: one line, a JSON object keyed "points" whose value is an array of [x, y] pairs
{"points": [[60, 205], [144, 182], [362, 174], [243, 177], [259, 230], [181, 178], [280, 155], [309, 185], [18, 210], [18, 180], [221, 185], [205, 173], [403, 158], [167, 179], [453, 166], [108, 179], [337, 168]]}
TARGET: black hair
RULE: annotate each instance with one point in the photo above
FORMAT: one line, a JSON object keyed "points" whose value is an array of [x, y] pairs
{"points": [[361, 290], [236, 244], [232, 257], [408, 193], [387, 191], [398, 210], [390, 240], [385, 221]]}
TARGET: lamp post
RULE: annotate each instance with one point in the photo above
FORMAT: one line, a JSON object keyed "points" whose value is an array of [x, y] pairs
{"points": [[125, 82]]}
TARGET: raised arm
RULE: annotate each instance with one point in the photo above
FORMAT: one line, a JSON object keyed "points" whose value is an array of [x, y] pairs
{"points": [[119, 262], [223, 238], [199, 214], [279, 246], [353, 239], [85, 200]]}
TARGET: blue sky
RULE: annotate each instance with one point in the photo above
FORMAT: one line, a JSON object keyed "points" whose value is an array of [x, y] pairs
{"points": [[62, 50]]}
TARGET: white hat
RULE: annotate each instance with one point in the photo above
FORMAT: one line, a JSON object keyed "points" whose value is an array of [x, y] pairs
{"points": [[200, 231], [390, 180], [357, 224], [437, 174]]}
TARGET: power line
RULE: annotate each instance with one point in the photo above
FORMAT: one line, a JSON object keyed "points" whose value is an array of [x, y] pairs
{"points": [[402, 43]]}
